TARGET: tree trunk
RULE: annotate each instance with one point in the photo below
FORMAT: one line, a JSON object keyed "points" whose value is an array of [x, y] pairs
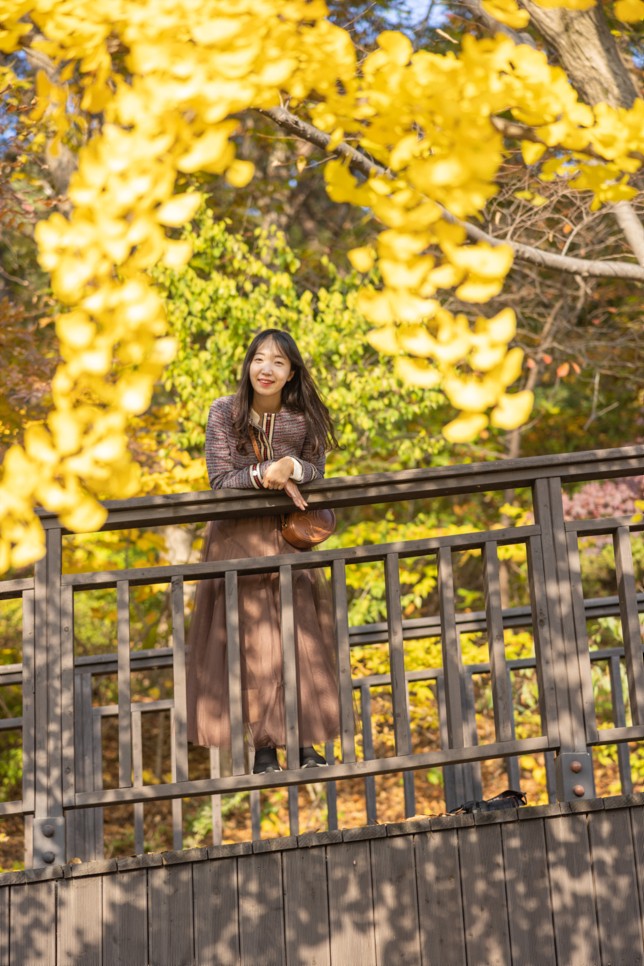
{"points": [[587, 51]]}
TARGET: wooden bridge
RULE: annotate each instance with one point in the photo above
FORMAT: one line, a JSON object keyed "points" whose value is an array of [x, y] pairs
{"points": [[561, 882]]}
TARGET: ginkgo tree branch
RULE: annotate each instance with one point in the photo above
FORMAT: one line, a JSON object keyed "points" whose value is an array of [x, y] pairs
{"points": [[367, 166]]}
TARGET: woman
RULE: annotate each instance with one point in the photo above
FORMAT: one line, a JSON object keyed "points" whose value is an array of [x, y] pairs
{"points": [[271, 434]]}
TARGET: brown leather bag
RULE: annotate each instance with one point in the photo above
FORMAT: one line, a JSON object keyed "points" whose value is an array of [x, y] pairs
{"points": [[303, 529]]}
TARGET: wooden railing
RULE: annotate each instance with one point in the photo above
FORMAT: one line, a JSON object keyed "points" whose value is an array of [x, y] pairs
{"points": [[62, 724]]}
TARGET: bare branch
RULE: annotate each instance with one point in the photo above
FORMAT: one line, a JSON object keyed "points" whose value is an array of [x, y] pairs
{"points": [[632, 227], [362, 163]]}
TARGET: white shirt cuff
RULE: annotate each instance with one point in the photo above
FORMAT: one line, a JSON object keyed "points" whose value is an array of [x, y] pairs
{"points": [[298, 470]]}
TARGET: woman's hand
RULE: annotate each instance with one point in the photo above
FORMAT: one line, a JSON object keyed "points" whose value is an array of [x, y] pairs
{"points": [[291, 489], [278, 474]]}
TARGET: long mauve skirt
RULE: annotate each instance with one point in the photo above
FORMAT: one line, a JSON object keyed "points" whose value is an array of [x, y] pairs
{"points": [[260, 643]]}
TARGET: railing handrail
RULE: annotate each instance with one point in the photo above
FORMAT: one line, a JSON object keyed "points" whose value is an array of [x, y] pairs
{"points": [[346, 491]]}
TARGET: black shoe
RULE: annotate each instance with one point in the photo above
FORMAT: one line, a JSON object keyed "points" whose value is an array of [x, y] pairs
{"points": [[265, 761], [309, 758]]}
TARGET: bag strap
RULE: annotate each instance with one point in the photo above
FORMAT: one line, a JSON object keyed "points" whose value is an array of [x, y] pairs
{"points": [[253, 439]]}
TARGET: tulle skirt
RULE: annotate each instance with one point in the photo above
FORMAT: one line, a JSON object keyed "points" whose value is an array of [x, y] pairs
{"points": [[260, 644]]}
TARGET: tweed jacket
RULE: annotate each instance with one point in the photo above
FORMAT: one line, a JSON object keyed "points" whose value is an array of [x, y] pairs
{"points": [[280, 434]]}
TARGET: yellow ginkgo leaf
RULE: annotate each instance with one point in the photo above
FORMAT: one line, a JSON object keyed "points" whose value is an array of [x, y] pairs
{"points": [[384, 340], [464, 429], [416, 340], [240, 173], [67, 431], [532, 151], [31, 545], [510, 369], [179, 209], [408, 274], [512, 410], [507, 12], [75, 329], [362, 259], [417, 372], [177, 254], [469, 394], [135, 392], [475, 289], [500, 328], [375, 307], [629, 11], [396, 45], [486, 357], [86, 516]]}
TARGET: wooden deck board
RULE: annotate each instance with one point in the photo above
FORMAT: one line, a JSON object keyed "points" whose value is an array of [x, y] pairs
{"points": [[125, 918], [170, 915], [216, 913], [571, 884], [442, 936], [487, 933], [614, 874], [306, 907], [4, 925], [528, 893], [351, 912], [79, 927], [394, 892], [33, 915], [261, 909], [636, 816]]}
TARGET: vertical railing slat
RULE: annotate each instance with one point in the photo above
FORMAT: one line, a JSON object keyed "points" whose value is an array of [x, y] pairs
{"points": [[631, 630], [177, 803], [290, 678], [179, 718], [28, 722], [471, 770], [82, 828], [501, 693], [215, 800], [289, 668], [96, 770], [137, 749], [68, 683], [451, 649], [124, 684], [331, 790], [179, 735], [347, 726], [234, 673], [369, 753], [541, 637], [619, 720], [581, 636], [255, 816], [41, 748], [54, 690], [399, 692]]}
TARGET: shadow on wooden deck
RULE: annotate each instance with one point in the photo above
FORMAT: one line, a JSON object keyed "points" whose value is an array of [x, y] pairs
{"points": [[555, 885]]}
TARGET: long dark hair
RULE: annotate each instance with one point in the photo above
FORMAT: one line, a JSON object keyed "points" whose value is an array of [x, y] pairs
{"points": [[300, 393]]}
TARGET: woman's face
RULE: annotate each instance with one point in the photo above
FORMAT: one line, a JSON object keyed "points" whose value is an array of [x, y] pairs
{"points": [[269, 372]]}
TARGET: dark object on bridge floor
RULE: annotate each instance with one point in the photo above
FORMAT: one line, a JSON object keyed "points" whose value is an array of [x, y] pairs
{"points": [[507, 799]]}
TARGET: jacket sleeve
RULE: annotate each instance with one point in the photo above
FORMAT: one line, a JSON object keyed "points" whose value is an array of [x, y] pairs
{"points": [[313, 464], [219, 457]]}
